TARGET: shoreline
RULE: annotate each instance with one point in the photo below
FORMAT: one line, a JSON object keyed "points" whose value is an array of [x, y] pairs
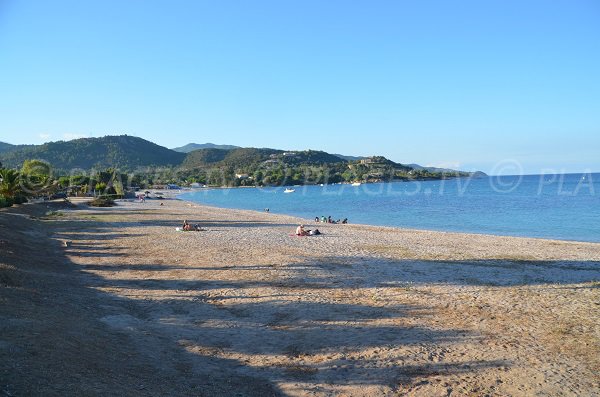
{"points": [[311, 221], [467, 239]]}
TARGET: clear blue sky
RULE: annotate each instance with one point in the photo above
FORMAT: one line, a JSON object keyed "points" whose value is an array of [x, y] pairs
{"points": [[465, 84]]}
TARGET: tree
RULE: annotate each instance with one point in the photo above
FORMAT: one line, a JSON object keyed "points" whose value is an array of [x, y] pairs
{"points": [[35, 177], [100, 187], [64, 181], [10, 186], [36, 167]]}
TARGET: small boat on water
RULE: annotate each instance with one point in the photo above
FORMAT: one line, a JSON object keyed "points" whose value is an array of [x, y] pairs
{"points": [[356, 184], [288, 190]]}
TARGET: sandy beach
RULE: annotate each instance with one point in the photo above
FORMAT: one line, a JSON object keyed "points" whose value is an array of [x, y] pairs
{"points": [[114, 301]]}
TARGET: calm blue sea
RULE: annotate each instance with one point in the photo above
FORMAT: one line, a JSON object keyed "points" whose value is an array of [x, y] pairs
{"points": [[563, 206]]}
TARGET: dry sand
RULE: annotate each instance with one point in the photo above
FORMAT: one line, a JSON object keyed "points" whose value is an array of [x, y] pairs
{"points": [[116, 302]]}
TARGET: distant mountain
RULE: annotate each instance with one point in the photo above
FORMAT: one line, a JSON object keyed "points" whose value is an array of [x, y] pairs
{"points": [[380, 160], [204, 157], [190, 147], [128, 153], [244, 157], [349, 158], [477, 174], [430, 169], [413, 166], [123, 152], [5, 147], [309, 157]]}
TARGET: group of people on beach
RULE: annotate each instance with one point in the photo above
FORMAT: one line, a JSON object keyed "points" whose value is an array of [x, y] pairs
{"points": [[330, 220], [301, 231]]}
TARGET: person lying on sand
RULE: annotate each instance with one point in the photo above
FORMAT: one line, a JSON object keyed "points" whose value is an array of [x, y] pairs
{"points": [[187, 227], [300, 231]]}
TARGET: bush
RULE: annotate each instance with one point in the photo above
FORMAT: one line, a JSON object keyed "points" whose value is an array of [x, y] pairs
{"points": [[6, 201], [102, 202], [20, 199]]}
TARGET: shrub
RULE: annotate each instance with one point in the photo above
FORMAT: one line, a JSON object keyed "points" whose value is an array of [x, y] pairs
{"points": [[20, 199], [6, 201], [102, 202]]}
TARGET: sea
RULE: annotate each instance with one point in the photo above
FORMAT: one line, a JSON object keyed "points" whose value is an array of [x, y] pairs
{"points": [[562, 206]]}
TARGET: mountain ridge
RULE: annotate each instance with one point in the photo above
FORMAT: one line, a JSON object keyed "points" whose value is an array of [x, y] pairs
{"points": [[129, 153], [190, 147], [5, 147], [119, 151]]}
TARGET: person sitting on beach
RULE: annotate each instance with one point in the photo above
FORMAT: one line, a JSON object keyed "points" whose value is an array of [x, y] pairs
{"points": [[187, 227], [323, 219], [345, 221], [317, 220], [301, 232]]}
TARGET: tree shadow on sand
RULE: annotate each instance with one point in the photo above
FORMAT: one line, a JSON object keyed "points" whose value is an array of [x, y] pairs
{"points": [[196, 336], [274, 338], [54, 341], [474, 272]]}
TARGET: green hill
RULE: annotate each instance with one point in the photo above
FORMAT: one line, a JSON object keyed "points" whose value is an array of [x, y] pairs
{"points": [[204, 157], [5, 147], [246, 157], [310, 157], [128, 153], [123, 152], [190, 147], [349, 158], [241, 157]]}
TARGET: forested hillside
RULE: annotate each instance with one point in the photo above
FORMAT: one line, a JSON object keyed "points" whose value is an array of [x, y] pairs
{"points": [[156, 164], [123, 152], [190, 147]]}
